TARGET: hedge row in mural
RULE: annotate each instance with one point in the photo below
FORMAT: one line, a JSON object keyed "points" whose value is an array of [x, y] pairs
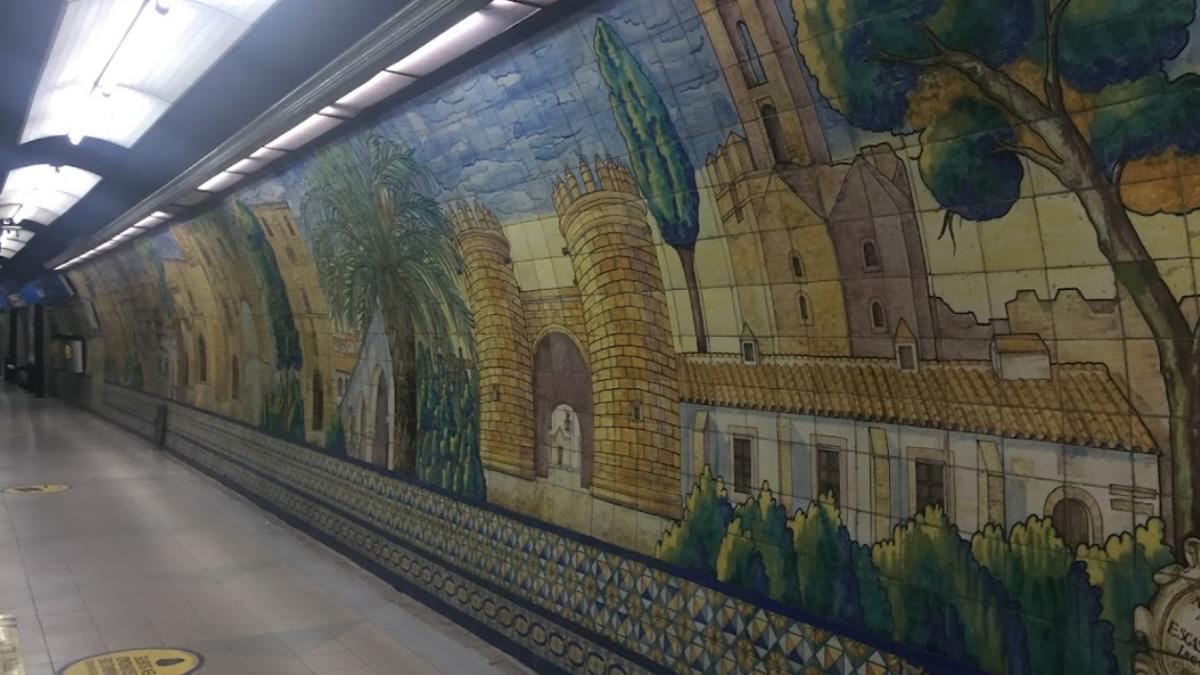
{"points": [[882, 311]]}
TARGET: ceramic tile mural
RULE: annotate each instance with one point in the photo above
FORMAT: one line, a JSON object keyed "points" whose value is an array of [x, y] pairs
{"points": [[881, 312]]}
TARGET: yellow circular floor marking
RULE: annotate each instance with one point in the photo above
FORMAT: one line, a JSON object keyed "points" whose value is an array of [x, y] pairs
{"points": [[137, 662], [36, 489]]}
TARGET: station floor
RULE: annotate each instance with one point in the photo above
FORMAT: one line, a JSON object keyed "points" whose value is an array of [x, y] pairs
{"points": [[142, 551]]}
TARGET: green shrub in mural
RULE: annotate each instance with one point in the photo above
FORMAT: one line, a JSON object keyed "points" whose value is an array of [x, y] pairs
{"points": [[1075, 88], [1123, 569], [1061, 608], [694, 540], [283, 406], [448, 424], [942, 600], [335, 436], [660, 164], [1015, 602], [835, 576], [760, 531], [382, 244]]}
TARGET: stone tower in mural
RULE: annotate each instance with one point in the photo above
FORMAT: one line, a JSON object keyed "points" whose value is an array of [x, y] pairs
{"points": [[767, 81], [865, 204], [604, 222], [502, 345]]}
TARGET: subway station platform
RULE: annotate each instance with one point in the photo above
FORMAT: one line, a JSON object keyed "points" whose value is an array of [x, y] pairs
{"points": [[143, 552]]}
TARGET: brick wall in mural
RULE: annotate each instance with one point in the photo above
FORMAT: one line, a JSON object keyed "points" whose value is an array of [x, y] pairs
{"points": [[887, 315]]}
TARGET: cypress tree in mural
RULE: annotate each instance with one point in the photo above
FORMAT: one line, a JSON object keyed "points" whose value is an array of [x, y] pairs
{"points": [[660, 163], [382, 244], [283, 404], [1078, 89]]}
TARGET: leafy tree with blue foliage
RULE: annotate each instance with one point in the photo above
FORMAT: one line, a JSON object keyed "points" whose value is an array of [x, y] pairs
{"points": [[661, 167], [1078, 89]]}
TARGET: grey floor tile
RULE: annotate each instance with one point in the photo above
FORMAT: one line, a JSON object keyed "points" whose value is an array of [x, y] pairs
{"points": [[143, 551]]}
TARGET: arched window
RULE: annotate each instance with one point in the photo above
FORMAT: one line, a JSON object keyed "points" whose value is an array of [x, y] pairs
{"points": [[201, 359], [753, 69], [318, 402], [182, 367], [804, 308], [870, 253], [775, 137], [235, 378], [797, 265], [878, 316]]}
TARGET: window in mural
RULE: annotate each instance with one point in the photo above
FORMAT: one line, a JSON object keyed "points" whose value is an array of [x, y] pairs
{"points": [[755, 73], [201, 359], [181, 368], [906, 357], [803, 308], [931, 484], [797, 265], [318, 401], [743, 464], [235, 378], [870, 256], [775, 134], [829, 480], [878, 316]]}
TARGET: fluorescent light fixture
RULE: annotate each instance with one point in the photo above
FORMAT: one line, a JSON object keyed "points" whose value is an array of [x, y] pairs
{"points": [[149, 222], [117, 65], [462, 37], [265, 154], [304, 132], [221, 181], [13, 239], [248, 165], [374, 90], [42, 193]]}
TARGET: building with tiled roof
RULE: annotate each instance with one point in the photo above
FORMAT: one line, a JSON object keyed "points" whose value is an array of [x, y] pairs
{"points": [[1078, 405], [991, 442]]}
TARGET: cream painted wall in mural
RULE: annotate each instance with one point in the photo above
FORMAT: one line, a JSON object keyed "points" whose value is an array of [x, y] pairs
{"points": [[770, 290]]}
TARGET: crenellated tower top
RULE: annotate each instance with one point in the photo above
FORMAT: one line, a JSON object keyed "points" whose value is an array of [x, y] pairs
{"points": [[601, 175], [467, 215]]}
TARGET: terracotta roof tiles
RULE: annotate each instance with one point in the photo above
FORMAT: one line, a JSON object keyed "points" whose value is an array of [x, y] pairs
{"points": [[1079, 405]]}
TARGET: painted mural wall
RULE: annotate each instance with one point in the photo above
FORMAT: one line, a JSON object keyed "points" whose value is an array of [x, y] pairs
{"points": [[882, 310]]}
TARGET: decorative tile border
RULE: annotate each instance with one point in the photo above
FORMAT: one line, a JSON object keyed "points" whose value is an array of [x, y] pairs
{"points": [[560, 602]]}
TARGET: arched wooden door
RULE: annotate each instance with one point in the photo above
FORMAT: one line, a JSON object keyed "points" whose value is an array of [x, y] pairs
{"points": [[1073, 522]]}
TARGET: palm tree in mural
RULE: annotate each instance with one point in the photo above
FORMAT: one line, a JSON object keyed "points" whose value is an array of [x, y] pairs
{"points": [[381, 243]]}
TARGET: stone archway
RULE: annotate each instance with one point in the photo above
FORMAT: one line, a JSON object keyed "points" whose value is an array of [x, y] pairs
{"points": [[381, 398], [562, 381]]}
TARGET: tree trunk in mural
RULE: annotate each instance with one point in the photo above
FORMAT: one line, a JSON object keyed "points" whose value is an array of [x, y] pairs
{"points": [[687, 258], [401, 344]]}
